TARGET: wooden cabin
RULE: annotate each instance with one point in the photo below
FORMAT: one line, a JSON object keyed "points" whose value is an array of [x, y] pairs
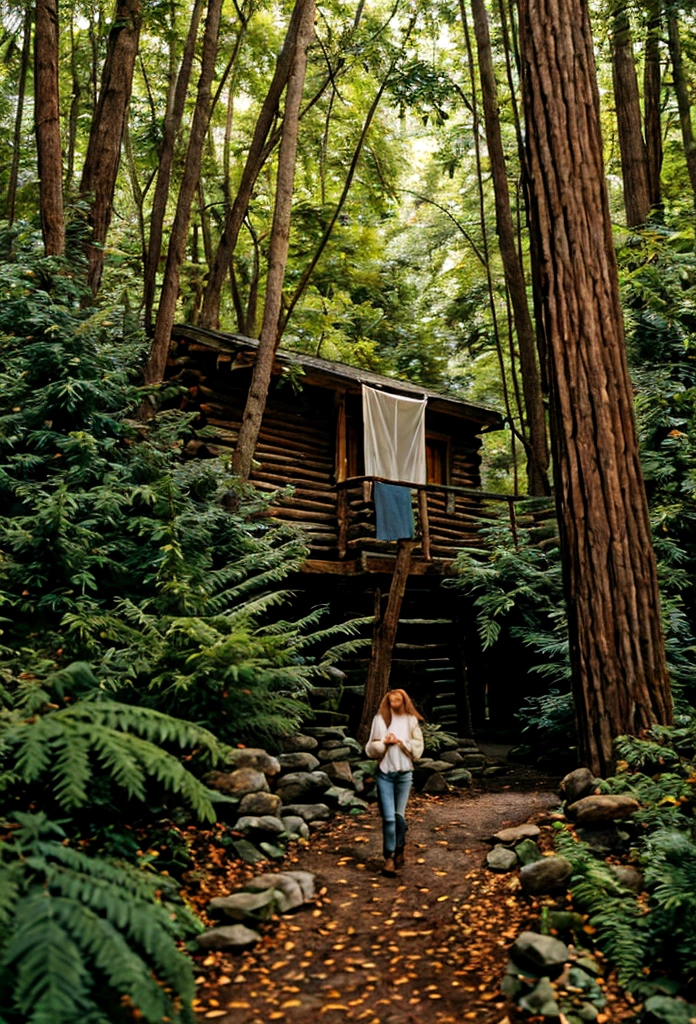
{"points": [[311, 438]]}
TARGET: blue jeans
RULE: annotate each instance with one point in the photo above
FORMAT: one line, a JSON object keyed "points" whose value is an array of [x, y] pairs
{"points": [[393, 789]]}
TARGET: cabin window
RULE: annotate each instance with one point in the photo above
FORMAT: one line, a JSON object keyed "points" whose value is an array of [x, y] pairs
{"points": [[355, 452]]}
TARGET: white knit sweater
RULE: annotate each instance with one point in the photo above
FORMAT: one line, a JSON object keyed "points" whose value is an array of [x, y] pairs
{"points": [[392, 757]]}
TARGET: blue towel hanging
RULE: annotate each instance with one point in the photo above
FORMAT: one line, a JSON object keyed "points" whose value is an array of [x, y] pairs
{"points": [[393, 512]]}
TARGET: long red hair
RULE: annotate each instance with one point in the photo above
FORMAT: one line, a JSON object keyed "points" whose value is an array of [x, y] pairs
{"points": [[409, 707]]}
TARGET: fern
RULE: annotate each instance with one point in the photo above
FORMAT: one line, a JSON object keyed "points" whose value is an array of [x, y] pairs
{"points": [[82, 936]]}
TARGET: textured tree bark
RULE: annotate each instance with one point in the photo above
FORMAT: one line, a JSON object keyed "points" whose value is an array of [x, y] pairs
{"points": [[104, 148], [47, 125], [537, 452], [17, 136], [681, 90], [278, 251], [172, 124], [652, 81], [616, 647], [256, 157], [634, 159], [154, 370], [383, 638]]}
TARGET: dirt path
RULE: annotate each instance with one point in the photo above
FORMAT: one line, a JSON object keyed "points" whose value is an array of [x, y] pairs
{"points": [[426, 947]]}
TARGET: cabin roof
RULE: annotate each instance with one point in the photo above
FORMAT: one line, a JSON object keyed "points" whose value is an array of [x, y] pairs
{"points": [[337, 376]]}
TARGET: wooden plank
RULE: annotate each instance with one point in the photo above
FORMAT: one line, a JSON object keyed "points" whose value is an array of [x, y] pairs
{"points": [[385, 564], [316, 565], [424, 524]]}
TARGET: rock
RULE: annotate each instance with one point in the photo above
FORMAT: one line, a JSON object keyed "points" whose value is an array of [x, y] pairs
{"points": [[577, 785], [560, 921], [237, 783], [327, 732], [310, 812], [528, 852], [266, 823], [628, 877], [300, 761], [339, 754], [289, 894], [305, 880], [436, 784], [298, 743], [232, 937], [509, 836], [541, 954], [366, 767], [541, 1000], [247, 851], [522, 753], [577, 978], [460, 777], [586, 1012], [302, 784], [427, 764], [546, 875], [340, 771], [452, 757], [602, 808], [588, 964], [254, 757], [332, 744], [241, 906], [501, 859], [296, 826], [260, 803], [604, 840], [666, 1010], [272, 850]]}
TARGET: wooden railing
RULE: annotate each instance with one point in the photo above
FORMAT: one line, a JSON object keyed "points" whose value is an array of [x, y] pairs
{"points": [[449, 518]]}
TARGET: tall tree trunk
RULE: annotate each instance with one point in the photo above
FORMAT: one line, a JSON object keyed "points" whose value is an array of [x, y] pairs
{"points": [[682, 93], [21, 95], [47, 123], [652, 82], [537, 450], [634, 159], [104, 148], [74, 105], [278, 251], [617, 656], [154, 371], [172, 124], [256, 157]]}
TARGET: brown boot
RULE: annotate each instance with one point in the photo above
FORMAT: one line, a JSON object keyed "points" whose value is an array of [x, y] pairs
{"points": [[399, 858], [388, 868]]}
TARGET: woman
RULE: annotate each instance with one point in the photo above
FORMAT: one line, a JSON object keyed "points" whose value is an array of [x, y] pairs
{"points": [[396, 739]]}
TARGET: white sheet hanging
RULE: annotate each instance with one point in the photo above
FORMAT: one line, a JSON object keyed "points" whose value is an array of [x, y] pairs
{"points": [[394, 429]]}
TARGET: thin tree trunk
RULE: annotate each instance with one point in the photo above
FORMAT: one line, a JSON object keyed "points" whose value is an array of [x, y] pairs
{"points": [[278, 252], [634, 159], [21, 95], [617, 656], [652, 81], [383, 638], [154, 371], [682, 93], [74, 106], [537, 450], [256, 157], [104, 148], [47, 123], [172, 124]]}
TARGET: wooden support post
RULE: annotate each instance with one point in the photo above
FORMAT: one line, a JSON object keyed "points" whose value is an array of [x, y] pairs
{"points": [[424, 523], [343, 514], [383, 638]]}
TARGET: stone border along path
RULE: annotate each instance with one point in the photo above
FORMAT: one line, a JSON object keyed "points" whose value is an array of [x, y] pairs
{"points": [[429, 946]]}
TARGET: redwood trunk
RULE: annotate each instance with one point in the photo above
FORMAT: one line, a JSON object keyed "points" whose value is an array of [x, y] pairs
{"points": [[47, 123], [17, 138], [278, 252], [537, 454], [383, 639], [634, 161], [256, 157], [616, 646], [104, 147], [652, 81], [682, 93], [154, 371], [172, 124]]}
